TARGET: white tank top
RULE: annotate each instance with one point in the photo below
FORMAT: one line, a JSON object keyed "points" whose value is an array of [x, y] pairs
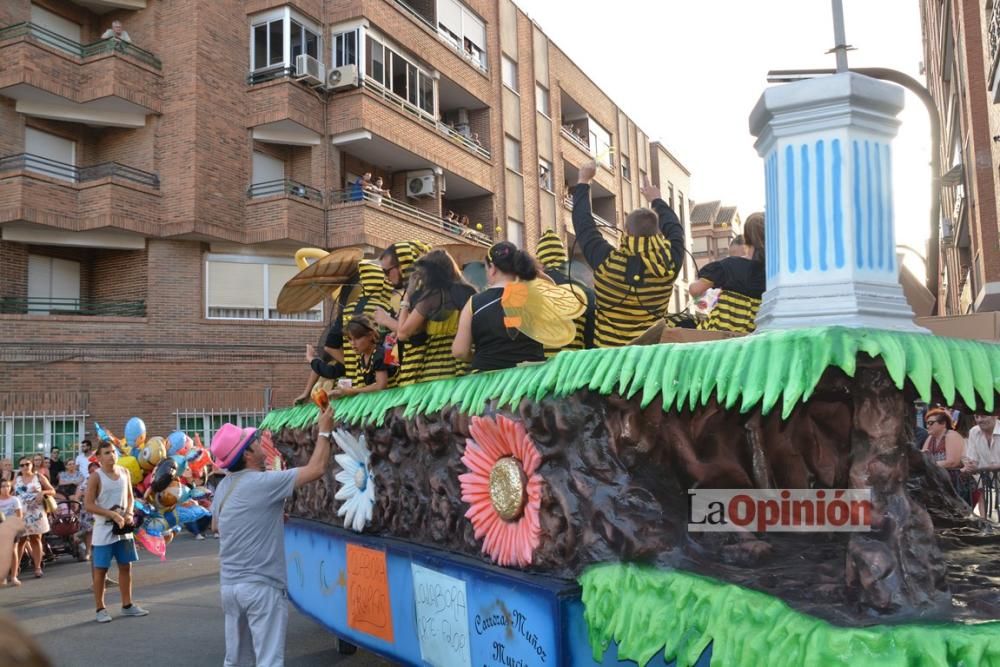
{"points": [[113, 496]]}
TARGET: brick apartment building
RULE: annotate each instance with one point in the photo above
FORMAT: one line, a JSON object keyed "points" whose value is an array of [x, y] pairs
{"points": [[153, 192], [713, 227], [962, 62]]}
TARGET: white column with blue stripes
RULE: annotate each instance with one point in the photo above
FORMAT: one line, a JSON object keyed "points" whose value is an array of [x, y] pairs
{"points": [[829, 236]]}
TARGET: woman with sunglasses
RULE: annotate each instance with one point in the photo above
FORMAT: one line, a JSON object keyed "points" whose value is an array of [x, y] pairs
{"points": [[947, 447], [31, 488]]}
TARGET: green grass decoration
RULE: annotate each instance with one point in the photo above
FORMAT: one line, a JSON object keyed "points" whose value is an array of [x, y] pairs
{"points": [[765, 369], [645, 610]]}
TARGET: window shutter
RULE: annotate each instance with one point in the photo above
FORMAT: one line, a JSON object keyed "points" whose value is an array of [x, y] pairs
{"points": [[450, 15], [474, 30], [233, 285]]}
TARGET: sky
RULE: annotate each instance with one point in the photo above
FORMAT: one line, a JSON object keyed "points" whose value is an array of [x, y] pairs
{"points": [[688, 72]]}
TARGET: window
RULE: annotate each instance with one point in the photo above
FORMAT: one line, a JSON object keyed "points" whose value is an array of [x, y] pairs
{"points": [[53, 284], [670, 195], [699, 244], [54, 23], [31, 434], [545, 174], [463, 30], [278, 36], [626, 168], [512, 153], [542, 100], [515, 232], [247, 288], [680, 207], [50, 154], [600, 143], [509, 73], [268, 176], [389, 68], [205, 423], [345, 49]]}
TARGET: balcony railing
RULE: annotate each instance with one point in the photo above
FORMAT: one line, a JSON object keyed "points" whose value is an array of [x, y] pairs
{"points": [[284, 187], [994, 33], [83, 306], [478, 64], [69, 172], [576, 140], [264, 75], [427, 119], [110, 45], [601, 222], [357, 195]]}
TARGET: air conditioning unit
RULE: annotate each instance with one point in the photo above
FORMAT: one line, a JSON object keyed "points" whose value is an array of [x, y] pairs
{"points": [[420, 184], [309, 69], [344, 76], [947, 232]]}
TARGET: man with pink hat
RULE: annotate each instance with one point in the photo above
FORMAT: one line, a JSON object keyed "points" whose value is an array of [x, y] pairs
{"points": [[247, 513]]}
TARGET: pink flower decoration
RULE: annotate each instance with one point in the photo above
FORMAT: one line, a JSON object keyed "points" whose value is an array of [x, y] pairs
{"points": [[507, 542]]}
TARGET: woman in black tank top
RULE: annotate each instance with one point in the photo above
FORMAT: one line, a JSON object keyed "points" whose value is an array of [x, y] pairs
{"points": [[483, 337]]}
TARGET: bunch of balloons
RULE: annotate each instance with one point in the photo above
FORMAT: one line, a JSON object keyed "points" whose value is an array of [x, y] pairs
{"points": [[167, 475]]}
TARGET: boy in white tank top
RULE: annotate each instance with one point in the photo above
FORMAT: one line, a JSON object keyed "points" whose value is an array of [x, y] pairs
{"points": [[109, 499]]}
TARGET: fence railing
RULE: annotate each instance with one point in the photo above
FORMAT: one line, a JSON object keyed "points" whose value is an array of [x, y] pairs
{"points": [[395, 100], [478, 64], [994, 34], [359, 195], [263, 75], [70, 172], [601, 222], [284, 187], [584, 146], [110, 45], [82, 306]]}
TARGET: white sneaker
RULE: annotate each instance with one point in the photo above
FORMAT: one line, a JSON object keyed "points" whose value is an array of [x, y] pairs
{"points": [[103, 616], [199, 536], [134, 610]]}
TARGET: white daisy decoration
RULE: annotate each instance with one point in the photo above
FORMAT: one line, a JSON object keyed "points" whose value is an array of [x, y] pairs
{"points": [[357, 483]]}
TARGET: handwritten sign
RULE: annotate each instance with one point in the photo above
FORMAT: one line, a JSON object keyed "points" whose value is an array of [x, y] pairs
{"points": [[518, 634], [368, 607], [442, 618]]}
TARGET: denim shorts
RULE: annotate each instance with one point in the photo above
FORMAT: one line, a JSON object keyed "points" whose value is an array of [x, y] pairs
{"points": [[123, 551]]}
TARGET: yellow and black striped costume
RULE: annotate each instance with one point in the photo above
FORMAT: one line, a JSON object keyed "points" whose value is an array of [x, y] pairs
{"points": [[442, 312], [742, 282], [551, 253], [375, 293], [634, 281], [410, 352]]}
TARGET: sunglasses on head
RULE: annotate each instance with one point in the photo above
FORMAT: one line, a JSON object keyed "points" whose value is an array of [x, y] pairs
{"points": [[935, 421]]}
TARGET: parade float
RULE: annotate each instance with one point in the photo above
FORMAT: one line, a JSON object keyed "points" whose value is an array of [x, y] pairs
{"points": [[540, 515]]}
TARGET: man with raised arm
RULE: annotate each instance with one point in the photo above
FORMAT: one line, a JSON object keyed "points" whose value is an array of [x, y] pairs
{"points": [[634, 281]]}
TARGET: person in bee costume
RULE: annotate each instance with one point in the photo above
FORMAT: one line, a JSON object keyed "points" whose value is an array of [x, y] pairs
{"points": [[634, 281], [742, 281], [397, 262], [520, 313], [376, 293], [551, 254]]}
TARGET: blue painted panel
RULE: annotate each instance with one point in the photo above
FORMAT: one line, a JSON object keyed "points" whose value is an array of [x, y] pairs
{"points": [[869, 227], [821, 204], [790, 208], [512, 616], [890, 230], [806, 221], [839, 255], [880, 208], [856, 164]]}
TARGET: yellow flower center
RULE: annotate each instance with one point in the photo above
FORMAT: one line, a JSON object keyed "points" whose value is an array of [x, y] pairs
{"points": [[507, 482]]}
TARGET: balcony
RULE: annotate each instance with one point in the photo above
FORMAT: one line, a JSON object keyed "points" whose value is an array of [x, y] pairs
{"points": [[364, 218], [397, 102], [107, 83], [285, 209], [466, 50], [282, 110], [83, 306], [359, 119], [36, 189]]}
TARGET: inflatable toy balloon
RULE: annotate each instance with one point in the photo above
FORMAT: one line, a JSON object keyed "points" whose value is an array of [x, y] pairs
{"points": [[164, 475], [168, 498], [197, 460], [154, 544], [178, 443], [132, 465], [135, 432], [144, 485], [182, 464], [154, 451]]}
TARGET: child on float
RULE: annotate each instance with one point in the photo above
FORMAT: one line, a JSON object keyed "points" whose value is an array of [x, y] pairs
{"points": [[376, 365]]}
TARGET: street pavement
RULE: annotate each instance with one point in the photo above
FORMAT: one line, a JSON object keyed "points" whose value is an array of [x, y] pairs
{"points": [[185, 622]]}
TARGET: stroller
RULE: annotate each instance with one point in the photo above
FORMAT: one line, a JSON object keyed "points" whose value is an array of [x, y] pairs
{"points": [[62, 537]]}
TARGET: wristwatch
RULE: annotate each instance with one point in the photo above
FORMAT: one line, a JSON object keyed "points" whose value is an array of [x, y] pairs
{"points": [[323, 434]]}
